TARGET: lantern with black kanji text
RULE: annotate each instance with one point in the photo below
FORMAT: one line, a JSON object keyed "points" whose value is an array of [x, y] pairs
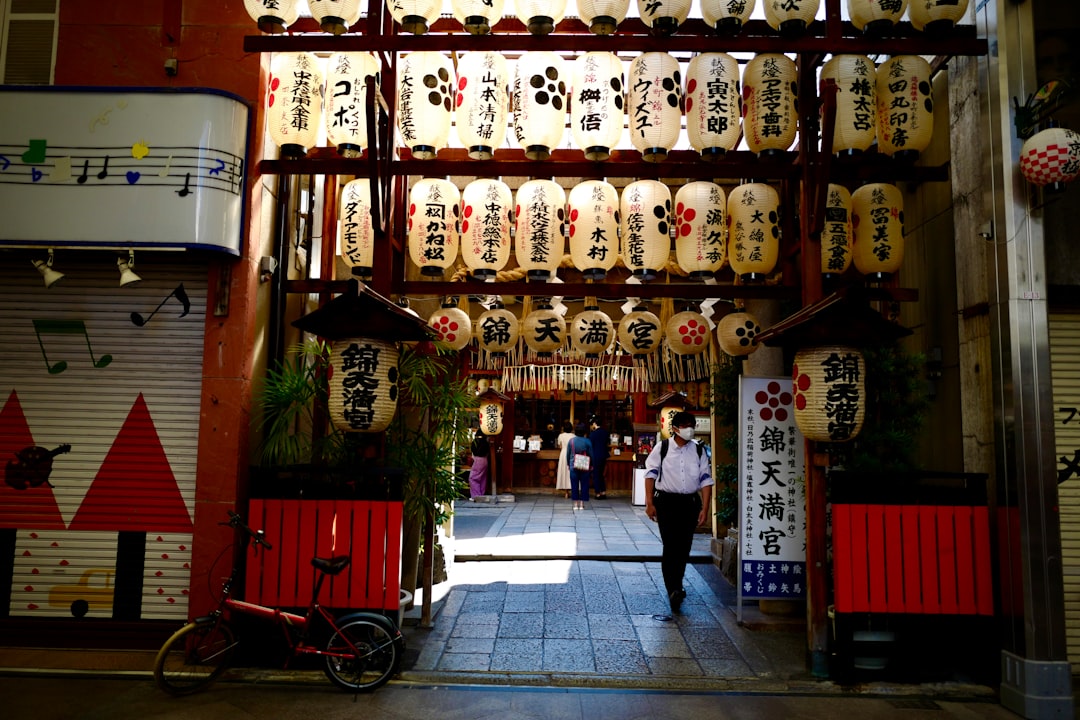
{"points": [[591, 331], [497, 331], [594, 228], [544, 330], [1051, 157], [425, 103], [727, 16], [539, 215], [491, 411], [790, 17], [663, 17], [598, 89], [347, 106], [905, 104], [700, 228], [877, 220], [434, 214], [539, 103], [876, 17], [836, 235], [482, 103], [486, 214], [363, 384], [294, 102], [357, 232], [713, 104], [655, 104], [770, 116], [645, 207], [273, 16], [640, 332], [856, 102], [829, 385], [753, 230]]}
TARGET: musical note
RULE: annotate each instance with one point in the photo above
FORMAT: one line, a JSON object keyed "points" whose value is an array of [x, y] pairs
{"points": [[217, 170], [185, 191], [165, 170], [61, 171], [5, 161], [85, 168], [36, 154], [66, 327], [140, 150], [104, 170], [179, 293]]}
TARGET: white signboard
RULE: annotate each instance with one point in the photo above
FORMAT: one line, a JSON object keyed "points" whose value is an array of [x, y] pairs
{"points": [[772, 492]]}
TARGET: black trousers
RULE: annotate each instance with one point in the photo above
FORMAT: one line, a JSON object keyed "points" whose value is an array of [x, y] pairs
{"points": [[676, 517]]}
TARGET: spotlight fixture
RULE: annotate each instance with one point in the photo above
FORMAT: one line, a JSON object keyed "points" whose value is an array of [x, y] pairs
{"points": [[45, 268], [128, 278]]}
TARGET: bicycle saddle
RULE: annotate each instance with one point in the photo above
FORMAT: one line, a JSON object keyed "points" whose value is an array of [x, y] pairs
{"points": [[331, 566]]}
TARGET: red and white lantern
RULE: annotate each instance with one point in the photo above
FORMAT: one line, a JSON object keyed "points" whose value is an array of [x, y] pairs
{"points": [[655, 104], [477, 16], [1051, 156], [486, 210], [592, 332], [453, 326], [663, 17], [594, 228], [273, 16], [836, 236], [539, 216], [363, 384], [790, 17], [294, 102], [829, 388], [753, 231], [935, 16], [482, 101], [688, 333], [415, 16], [539, 102], [640, 332], [602, 16], [700, 228], [357, 232], [598, 89], [497, 331], [770, 117], [645, 208], [347, 106], [540, 16], [727, 16], [713, 104], [335, 16], [433, 236], [877, 220], [856, 101], [876, 17], [905, 106], [425, 103]]}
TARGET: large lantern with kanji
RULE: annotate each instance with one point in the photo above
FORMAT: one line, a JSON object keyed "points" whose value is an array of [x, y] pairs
{"points": [[856, 101], [598, 89], [645, 207], [770, 112], [640, 332], [544, 330], [876, 17], [453, 326], [433, 216], [497, 331], [539, 215], [273, 16], [425, 102], [357, 232], [363, 384], [591, 331], [790, 17], [905, 105], [482, 103], [655, 104], [700, 228], [347, 106], [539, 103], [737, 332], [486, 210], [836, 236], [594, 228], [877, 220], [829, 386], [753, 231], [491, 412], [294, 102], [688, 333], [727, 16], [713, 104]]}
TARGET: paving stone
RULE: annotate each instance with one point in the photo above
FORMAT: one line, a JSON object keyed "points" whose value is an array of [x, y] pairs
{"points": [[618, 657], [478, 618], [521, 625], [681, 667], [524, 602], [611, 627], [460, 662], [518, 655], [474, 631], [566, 655], [470, 645], [565, 625]]}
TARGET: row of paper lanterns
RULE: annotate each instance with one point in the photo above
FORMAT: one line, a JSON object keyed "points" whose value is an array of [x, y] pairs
{"points": [[891, 106], [603, 17], [711, 229]]}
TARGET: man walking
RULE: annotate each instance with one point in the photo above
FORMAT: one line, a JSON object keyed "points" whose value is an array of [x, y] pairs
{"points": [[599, 439], [678, 490]]}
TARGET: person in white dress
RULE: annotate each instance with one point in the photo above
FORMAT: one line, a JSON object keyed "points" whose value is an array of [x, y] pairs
{"points": [[562, 475]]}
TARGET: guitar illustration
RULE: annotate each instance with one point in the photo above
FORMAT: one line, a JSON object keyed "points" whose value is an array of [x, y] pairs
{"points": [[31, 466]]}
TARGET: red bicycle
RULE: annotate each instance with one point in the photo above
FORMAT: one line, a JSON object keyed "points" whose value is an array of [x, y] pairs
{"points": [[362, 653]]}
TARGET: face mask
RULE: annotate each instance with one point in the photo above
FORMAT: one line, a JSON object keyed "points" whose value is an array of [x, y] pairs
{"points": [[686, 433]]}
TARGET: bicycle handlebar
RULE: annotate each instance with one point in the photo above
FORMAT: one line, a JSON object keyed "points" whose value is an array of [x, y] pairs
{"points": [[257, 535]]}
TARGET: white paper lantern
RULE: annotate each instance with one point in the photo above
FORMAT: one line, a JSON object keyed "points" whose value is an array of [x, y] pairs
{"points": [[856, 101], [727, 16], [477, 16], [790, 17], [602, 16], [415, 16], [877, 220], [905, 107], [594, 228], [598, 89], [688, 333], [433, 236], [482, 101], [655, 104], [737, 332], [357, 232], [486, 215], [836, 236], [425, 103], [540, 16], [640, 332], [491, 415], [713, 104], [544, 330], [363, 384], [753, 231], [347, 107], [497, 331], [592, 332], [539, 101], [645, 208], [700, 228], [876, 17], [294, 102], [935, 16], [663, 17], [273, 16], [1051, 156], [829, 389], [771, 117], [335, 16], [452, 325], [539, 216]]}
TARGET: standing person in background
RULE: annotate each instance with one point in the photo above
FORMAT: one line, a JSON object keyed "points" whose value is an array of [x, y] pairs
{"points": [[480, 450], [599, 439], [562, 470], [678, 489], [579, 479]]}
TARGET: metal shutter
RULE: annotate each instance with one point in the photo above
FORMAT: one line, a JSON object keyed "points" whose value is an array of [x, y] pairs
{"points": [[29, 42], [1065, 372]]}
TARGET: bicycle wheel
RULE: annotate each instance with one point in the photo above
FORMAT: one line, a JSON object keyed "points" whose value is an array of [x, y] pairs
{"points": [[374, 661], [194, 657]]}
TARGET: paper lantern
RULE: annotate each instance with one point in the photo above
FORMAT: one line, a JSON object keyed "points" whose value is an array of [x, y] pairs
{"points": [[877, 221], [425, 103], [347, 107], [497, 331], [829, 388], [415, 16], [273, 16], [790, 17], [655, 104], [540, 16], [876, 17], [856, 101], [737, 332], [1051, 156], [727, 16], [594, 228], [539, 216], [905, 107], [453, 326], [335, 16], [433, 236], [357, 232], [598, 108], [664, 418], [539, 102], [544, 330], [700, 228], [836, 236], [645, 208], [491, 415], [753, 231], [770, 113], [602, 16], [294, 102], [663, 17], [640, 332], [713, 104], [486, 208], [477, 16], [363, 384], [936, 16], [687, 333], [481, 105], [592, 332]]}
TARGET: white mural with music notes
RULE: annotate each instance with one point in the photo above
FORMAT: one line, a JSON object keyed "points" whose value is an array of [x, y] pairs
{"points": [[138, 167]]}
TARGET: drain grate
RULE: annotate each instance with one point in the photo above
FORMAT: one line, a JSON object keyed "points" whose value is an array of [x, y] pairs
{"points": [[914, 704]]}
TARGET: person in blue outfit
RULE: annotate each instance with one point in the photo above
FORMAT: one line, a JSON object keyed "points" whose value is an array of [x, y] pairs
{"points": [[579, 479], [678, 490], [599, 439]]}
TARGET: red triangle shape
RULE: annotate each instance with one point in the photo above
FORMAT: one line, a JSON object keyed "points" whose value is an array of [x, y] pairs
{"points": [[135, 489], [33, 507]]}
